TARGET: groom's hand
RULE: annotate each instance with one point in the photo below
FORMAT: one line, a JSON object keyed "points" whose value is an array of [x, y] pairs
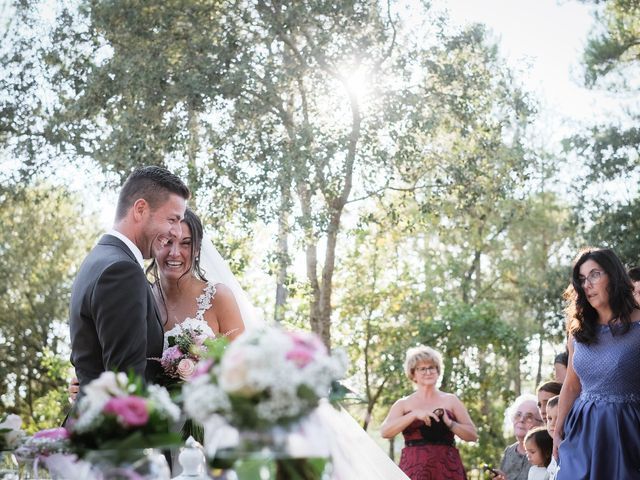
{"points": [[74, 389]]}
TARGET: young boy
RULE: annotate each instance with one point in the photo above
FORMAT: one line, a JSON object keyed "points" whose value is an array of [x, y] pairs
{"points": [[552, 416]]}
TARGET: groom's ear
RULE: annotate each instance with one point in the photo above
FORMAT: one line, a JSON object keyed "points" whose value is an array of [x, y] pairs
{"points": [[139, 209]]}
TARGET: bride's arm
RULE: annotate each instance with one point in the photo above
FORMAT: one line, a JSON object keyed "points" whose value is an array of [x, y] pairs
{"points": [[226, 313]]}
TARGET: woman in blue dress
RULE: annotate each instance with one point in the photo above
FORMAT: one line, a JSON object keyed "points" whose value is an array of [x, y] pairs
{"points": [[599, 408]]}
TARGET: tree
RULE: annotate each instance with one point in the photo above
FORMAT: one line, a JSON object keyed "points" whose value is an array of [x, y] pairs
{"points": [[34, 294], [612, 151], [376, 323], [289, 113]]}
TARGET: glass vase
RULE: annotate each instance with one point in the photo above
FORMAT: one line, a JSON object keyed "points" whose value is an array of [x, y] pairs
{"points": [[8, 465], [141, 464], [262, 455], [33, 468]]}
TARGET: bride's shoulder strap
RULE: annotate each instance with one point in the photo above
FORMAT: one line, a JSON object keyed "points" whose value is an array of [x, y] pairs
{"points": [[205, 300]]}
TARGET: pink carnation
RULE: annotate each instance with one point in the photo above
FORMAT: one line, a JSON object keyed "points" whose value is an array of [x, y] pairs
{"points": [[59, 433], [305, 348], [202, 368], [131, 411]]}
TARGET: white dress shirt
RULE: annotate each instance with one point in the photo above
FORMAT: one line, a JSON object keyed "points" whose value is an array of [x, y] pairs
{"points": [[132, 246]]}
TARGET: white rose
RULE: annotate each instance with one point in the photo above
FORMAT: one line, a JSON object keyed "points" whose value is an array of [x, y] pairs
{"points": [[12, 422], [13, 438], [235, 372]]}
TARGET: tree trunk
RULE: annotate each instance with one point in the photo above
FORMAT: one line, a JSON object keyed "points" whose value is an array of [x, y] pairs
{"points": [[540, 347], [282, 258]]}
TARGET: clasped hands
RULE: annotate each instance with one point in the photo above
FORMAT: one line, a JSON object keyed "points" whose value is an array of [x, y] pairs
{"points": [[437, 415]]}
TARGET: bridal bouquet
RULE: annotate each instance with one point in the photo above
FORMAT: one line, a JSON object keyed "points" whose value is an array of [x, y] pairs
{"points": [[265, 378], [117, 412], [184, 346], [11, 433]]}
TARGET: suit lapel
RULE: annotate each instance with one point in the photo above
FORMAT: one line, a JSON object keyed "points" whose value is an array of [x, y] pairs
{"points": [[155, 309], [116, 242]]}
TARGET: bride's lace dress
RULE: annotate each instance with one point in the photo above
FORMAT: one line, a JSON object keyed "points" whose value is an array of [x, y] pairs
{"points": [[204, 301]]}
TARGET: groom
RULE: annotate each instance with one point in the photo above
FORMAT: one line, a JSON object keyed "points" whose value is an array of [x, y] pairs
{"points": [[112, 316]]}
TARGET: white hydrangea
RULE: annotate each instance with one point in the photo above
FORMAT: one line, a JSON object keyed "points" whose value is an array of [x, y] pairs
{"points": [[203, 399], [107, 385], [89, 415], [161, 401]]}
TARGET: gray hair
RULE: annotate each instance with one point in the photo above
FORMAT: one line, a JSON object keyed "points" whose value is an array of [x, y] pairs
{"points": [[513, 408], [421, 354]]}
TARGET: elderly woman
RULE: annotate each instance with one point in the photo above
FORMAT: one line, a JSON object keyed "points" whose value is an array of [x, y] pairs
{"points": [[429, 419], [522, 415], [599, 406]]}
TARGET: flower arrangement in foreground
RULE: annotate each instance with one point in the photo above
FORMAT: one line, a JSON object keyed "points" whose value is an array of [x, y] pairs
{"points": [[265, 384], [117, 412], [265, 378], [184, 346]]}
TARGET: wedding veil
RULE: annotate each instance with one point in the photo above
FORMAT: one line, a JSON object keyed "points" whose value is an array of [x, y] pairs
{"points": [[216, 270]]}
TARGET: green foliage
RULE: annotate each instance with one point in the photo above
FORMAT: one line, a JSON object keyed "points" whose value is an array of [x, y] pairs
{"points": [[477, 347], [611, 152], [618, 227], [615, 46], [44, 236]]}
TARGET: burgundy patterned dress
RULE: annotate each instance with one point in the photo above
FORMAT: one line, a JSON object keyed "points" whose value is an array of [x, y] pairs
{"points": [[430, 452]]}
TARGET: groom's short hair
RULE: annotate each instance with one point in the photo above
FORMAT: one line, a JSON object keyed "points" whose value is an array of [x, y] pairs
{"points": [[154, 184]]}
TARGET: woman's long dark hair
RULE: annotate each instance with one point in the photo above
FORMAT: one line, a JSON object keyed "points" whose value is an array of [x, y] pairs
{"points": [[582, 318], [195, 225]]}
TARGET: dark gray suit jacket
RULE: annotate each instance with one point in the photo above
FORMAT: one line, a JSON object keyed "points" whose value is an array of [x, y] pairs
{"points": [[113, 316]]}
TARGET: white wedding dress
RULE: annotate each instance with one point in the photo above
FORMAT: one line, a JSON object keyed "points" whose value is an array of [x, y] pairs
{"points": [[353, 452]]}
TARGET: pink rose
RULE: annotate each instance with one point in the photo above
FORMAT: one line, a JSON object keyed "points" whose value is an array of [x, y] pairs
{"points": [[59, 433], [305, 347], [186, 368], [131, 411]]}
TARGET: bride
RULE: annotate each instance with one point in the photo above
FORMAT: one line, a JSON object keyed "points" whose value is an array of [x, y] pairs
{"points": [[184, 291]]}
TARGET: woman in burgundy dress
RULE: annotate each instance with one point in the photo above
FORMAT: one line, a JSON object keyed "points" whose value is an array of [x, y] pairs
{"points": [[429, 420]]}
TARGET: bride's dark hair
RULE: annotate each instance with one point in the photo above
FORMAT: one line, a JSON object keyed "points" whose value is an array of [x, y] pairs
{"points": [[197, 233]]}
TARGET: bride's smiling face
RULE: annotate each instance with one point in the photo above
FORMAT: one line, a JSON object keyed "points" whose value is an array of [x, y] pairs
{"points": [[174, 258]]}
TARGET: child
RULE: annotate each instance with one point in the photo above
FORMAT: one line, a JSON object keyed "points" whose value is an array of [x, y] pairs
{"points": [[552, 415], [539, 446]]}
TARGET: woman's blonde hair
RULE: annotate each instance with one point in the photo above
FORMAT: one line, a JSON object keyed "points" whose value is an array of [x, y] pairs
{"points": [[421, 354]]}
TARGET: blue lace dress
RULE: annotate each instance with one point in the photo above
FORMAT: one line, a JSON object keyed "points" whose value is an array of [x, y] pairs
{"points": [[603, 427]]}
